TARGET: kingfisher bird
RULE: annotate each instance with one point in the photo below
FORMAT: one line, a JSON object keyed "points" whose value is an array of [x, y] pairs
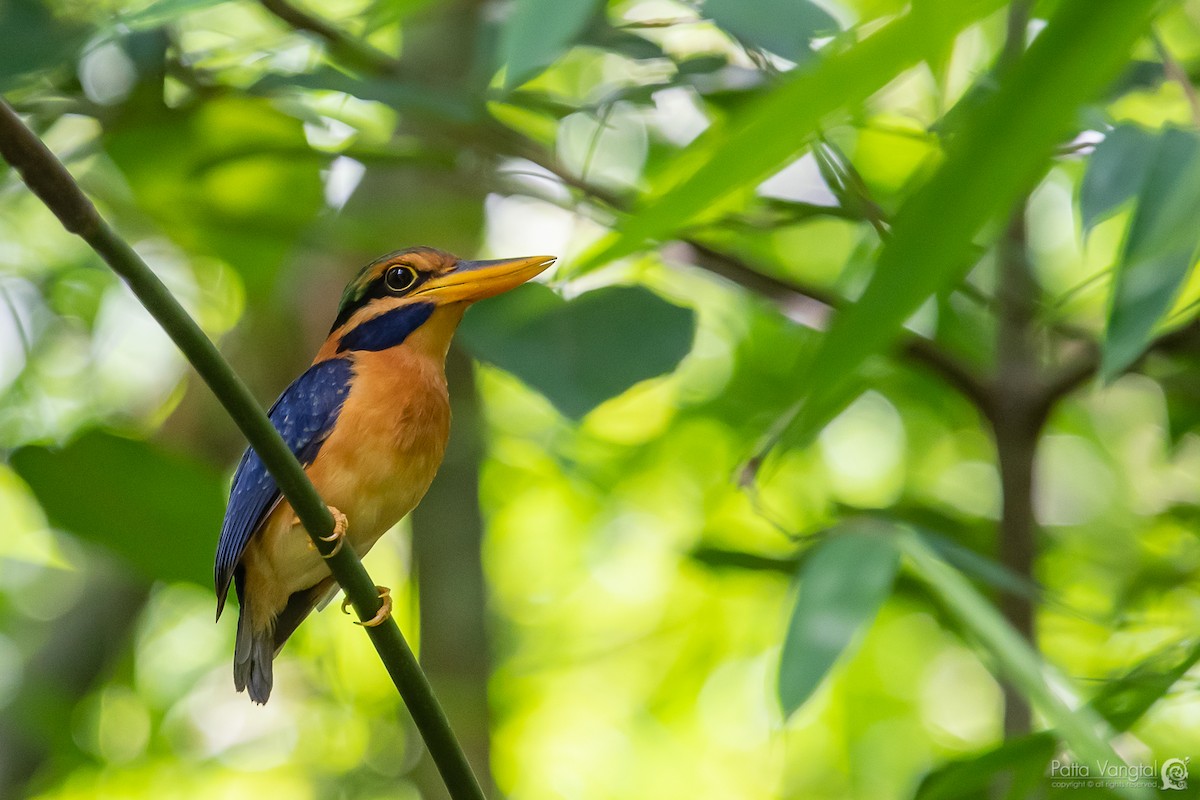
{"points": [[369, 421]]}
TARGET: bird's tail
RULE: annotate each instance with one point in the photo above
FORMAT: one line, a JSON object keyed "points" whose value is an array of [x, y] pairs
{"points": [[299, 606], [253, 652]]}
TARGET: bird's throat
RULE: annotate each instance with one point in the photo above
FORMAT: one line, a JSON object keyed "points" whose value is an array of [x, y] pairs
{"points": [[433, 338]]}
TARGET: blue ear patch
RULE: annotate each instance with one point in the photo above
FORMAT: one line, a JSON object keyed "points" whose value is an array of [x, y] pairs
{"points": [[387, 330]]}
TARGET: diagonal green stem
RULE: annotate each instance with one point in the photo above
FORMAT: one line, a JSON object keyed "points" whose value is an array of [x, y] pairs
{"points": [[47, 178], [1081, 728]]}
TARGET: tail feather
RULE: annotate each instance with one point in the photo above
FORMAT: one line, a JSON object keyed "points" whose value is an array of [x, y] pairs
{"points": [[253, 652]]}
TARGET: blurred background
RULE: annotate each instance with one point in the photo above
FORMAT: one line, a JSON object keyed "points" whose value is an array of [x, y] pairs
{"points": [[663, 558]]}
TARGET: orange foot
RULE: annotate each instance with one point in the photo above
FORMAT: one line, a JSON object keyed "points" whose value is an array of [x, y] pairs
{"points": [[338, 535], [385, 608]]}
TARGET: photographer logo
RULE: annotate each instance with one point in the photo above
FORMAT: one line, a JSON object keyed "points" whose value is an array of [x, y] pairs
{"points": [[1175, 773]]}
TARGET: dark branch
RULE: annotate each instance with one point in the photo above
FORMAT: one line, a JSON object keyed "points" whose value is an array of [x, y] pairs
{"points": [[357, 52], [1175, 71], [737, 271], [950, 369], [1070, 376], [1017, 413], [1086, 363]]}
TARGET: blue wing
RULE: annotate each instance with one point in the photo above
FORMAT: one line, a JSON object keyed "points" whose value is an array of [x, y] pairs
{"points": [[304, 415]]}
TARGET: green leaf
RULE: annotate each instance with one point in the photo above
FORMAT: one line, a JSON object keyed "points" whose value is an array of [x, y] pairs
{"points": [[400, 96], [766, 134], [1127, 699], [1137, 76], [1115, 171], [537, 32], [583, 352], [978, 566], [1018, 764], [601, 33], [1159, 249], [34, 39], [722, 558], [1179, 376], [701, 65], [842, 586], [158, 511], [784, 27], [160, 12], [1001, 149], [1082, 729]]}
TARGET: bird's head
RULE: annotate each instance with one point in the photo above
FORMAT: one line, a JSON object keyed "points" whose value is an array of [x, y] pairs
{"points": [[419, 289]]}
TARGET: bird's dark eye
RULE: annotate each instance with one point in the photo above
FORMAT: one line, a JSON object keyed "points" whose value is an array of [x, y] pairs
{"points": [[399, 279]]}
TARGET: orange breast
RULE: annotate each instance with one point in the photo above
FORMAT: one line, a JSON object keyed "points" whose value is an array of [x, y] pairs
{"points": [[388, 443], [375, 466]]}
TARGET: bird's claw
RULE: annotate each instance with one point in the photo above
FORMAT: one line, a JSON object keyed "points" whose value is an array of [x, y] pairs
{"points": [[385, 608], [338, 535]]}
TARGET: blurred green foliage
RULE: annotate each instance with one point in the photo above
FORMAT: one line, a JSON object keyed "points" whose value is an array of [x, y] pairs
{"points": [[841, 588], [581, 352], [822, 262], [97, 489]]}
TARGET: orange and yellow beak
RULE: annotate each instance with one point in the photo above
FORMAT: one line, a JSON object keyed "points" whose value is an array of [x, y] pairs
{"points": [[476, 280]]}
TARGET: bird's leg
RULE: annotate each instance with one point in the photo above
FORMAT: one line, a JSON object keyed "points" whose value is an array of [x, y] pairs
{"points": [[338, 535], [385, 610]]}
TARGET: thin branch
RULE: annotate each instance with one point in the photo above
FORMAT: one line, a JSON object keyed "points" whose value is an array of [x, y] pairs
{"points": [[352, 49], [1086, 363], [733, 269], [953, 371], [819, 302], [847, 183], [1175, 71], [47, 178], [775, 213], [1069, 377], [1016, 32]]}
